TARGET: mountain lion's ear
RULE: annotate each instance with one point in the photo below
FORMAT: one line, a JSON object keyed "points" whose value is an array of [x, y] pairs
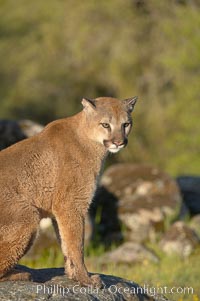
{"points": [[88, 104], [130, 103]]}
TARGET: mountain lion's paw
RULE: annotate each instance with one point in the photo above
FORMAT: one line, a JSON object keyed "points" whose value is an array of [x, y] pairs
{"points": [[15, 275], [96, 281]]}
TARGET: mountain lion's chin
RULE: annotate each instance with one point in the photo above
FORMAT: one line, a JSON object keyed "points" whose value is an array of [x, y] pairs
{"points": [[114, 150]]}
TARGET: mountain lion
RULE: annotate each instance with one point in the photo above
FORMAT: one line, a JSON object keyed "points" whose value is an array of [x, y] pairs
{"points": [[55, 174]]}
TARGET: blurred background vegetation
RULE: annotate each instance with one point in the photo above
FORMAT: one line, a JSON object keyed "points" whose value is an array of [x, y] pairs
{"points": [[52, 53]]}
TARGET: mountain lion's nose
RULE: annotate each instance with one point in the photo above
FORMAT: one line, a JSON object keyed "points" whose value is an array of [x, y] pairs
{"points": [[118, 143]]}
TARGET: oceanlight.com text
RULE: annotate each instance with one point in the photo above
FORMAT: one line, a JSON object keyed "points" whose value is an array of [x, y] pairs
{"points": [[113, 289]]}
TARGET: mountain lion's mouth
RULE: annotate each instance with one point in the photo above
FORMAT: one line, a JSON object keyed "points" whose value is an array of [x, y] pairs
{"points": [[114, 147]]}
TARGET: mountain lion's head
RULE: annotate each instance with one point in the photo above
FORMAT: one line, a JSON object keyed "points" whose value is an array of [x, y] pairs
{"points": [[109, 121]]}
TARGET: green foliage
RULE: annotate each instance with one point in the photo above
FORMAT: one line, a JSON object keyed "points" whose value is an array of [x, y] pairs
{"points": [[55, 52], [172, 271]]}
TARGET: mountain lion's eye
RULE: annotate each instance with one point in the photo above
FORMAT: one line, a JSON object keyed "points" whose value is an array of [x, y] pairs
{"points": [[105, 125], [126, 124]]}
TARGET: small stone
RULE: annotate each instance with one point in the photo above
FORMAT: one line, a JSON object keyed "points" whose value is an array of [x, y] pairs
{"points": [[179, 239], [130, 252]]}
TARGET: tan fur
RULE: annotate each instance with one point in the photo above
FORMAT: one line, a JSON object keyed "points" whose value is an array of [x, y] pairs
{"points": [[55, 174]]}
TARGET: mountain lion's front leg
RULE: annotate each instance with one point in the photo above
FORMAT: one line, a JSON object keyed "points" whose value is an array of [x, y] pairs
{"points": [[71, 227]]}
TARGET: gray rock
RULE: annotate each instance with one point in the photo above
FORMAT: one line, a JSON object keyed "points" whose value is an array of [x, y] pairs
{"points": [[190, 189], [14, 131], [10, 133], [130, 252], [52, 284], [141, 198], [179, 239], [195, 224], [29, 127]]}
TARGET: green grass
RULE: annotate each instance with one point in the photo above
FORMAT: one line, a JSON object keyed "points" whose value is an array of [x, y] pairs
{"points": [[170, 272]]}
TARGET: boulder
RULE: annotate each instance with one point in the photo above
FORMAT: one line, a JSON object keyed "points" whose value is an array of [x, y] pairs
{"points": [[10, 133], [190, 189], [130, 253], [195, 224], [141, 199], [179, 239], [29, 127], [14, 131], [52, 284]]}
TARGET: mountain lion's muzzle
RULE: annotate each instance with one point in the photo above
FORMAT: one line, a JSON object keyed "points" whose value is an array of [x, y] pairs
{"points": [[115, 145]]}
